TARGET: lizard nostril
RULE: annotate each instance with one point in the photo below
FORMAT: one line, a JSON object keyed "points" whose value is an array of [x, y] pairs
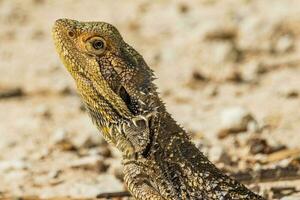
{"points": [[71, 33]]}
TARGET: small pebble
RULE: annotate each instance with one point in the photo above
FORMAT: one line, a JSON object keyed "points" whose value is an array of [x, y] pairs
{"points": [[235, 120], [62, 141], [90, 163], [116, 169], [13, 165], [284, 44]]}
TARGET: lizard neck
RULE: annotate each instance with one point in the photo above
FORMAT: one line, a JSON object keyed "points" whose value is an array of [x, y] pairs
{"points": [[163, 129]]}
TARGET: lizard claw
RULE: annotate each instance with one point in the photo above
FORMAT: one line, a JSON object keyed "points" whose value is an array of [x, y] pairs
{"points": [[135, 120], [143, 117]]}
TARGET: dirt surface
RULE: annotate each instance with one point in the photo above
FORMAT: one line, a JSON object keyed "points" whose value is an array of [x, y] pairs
{"points": [[228, 70]]}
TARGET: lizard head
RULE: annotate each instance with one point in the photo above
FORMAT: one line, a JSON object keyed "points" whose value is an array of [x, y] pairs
{"points": [[113, 80]]}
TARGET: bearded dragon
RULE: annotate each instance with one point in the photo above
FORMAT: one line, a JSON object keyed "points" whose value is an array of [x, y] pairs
{"points": [[116, 85]]}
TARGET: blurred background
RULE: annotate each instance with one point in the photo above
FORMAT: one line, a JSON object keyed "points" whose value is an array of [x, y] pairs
{"points": [[228, 70]]}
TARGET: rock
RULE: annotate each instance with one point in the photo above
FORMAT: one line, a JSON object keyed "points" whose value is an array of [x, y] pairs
{"points": [[11, 92], [283, 154], [54, 174], [218, 154], [88, 140], [96, 151], [86, 189], [292, 94], [292, 197], [272, 120], [252, 70], [81, 142], [284, 44], [59, 135], [197, 76], [221, 33], [41, 154], [13, 165], [211, 91], [258, 39], [235, 120], [260, 145], [44, 111], [62, 141], [62, 88], [91, 144], [221, 52], [234, 76], [90, 163], [116, 169], [197, 79], [283, 191], [289, 93], [183, 8], [105, 152]]}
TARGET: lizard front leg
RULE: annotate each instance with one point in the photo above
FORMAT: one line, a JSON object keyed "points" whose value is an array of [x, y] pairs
{"points": [[137, 133], [138, 183]]}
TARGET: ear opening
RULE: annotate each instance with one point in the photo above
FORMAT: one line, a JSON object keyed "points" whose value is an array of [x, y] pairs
{"points": [[127, 99]]}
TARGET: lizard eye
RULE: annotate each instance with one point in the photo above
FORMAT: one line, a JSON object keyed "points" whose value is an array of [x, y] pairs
{"points": [[96, 45]]}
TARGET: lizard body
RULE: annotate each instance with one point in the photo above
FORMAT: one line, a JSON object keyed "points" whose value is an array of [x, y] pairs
{"points": [[115, 84]]}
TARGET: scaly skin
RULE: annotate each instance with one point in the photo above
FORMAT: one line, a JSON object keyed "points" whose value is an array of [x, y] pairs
{"points": [[115, 84]]}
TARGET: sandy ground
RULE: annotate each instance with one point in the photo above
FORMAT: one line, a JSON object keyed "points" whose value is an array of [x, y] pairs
{"points": [[222, 66]]}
